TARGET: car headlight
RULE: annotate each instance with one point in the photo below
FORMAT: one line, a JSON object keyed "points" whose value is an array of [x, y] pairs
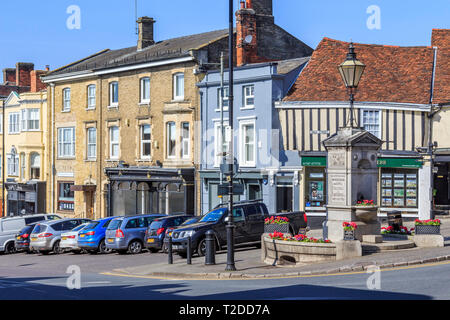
{"points": [[187, 234]]}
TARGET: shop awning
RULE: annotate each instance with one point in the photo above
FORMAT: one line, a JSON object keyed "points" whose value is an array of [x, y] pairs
{"points": [[399, 163], [84, 187]]}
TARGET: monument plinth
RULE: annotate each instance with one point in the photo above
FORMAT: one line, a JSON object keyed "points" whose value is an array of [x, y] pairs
{"points": [[352, 177]]}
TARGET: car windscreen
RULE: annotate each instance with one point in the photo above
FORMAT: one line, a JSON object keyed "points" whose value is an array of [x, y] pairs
{"points": [[26, 229], [115, 224], [190, 221], [91, 225], [214, 215], [39, 228], [78, 228], [156, 224]]}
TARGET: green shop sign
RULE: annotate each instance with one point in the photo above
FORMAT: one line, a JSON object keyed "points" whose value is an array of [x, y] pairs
{"points": [[399, 163], [314, 161]]}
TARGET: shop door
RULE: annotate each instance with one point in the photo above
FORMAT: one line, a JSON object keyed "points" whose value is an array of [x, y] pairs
{"points": [[441, 182]]}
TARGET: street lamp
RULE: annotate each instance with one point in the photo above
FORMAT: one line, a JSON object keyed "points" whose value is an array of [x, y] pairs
{"points": [[351, 71], [230, 224]]}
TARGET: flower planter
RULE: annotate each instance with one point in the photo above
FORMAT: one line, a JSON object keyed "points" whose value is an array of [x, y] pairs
{"points": [[349, 234], [427, 229], [366, 214], [271, 228]]}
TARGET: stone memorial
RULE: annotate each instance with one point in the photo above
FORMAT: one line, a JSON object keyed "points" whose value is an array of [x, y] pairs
{"points": [[352, 176]]}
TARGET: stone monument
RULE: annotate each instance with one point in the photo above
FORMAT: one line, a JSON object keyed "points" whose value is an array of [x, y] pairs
{"points": [[352, 176]]}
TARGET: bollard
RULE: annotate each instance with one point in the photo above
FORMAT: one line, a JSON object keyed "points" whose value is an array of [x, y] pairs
{"points": [[169, 250], [210, 254], [189, 250]]}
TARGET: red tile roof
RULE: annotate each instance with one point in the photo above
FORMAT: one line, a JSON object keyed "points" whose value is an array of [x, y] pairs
{"points": [[392, 74], [441, 39]]}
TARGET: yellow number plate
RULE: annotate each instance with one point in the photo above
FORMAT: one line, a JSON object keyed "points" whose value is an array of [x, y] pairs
{"points": [[18, 238], [82, 235], [150, 240], [110, 240], [64, 238], [33, 239]]}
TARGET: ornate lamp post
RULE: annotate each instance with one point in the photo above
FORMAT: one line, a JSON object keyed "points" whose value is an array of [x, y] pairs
{"points": [[351, 71]]}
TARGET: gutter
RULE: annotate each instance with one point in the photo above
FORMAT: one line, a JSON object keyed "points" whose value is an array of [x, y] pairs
{"points": [[88, 74]]}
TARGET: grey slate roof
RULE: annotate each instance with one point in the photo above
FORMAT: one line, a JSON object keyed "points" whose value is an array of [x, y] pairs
{"points": [[286, 66], [171, 48]]}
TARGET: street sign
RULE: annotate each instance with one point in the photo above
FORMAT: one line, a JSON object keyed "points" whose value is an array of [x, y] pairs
{"points": [[238, 189]]}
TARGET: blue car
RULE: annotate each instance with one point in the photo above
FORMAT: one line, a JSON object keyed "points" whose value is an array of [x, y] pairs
{"points": [[92, 237]]}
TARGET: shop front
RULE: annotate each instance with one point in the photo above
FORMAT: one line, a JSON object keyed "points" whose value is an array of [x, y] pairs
{"points": [[441, 199], [399, 184], [25, 198], [147, 190]]}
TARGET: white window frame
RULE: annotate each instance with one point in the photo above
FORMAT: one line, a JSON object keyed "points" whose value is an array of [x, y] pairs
{"points": [[218, 140], [168, 140], [1, 123], [62, 143], [113, 143], [144, 85], [242, 144], [91, 97], [23, 165], [30, 120], [32, 166], [245, 97], [175, 86], [364, 123], [144, 141], [185, 140], [91, 145], [112, 103], [66, 99], [14, 123], [13, 165], [225, 99]]}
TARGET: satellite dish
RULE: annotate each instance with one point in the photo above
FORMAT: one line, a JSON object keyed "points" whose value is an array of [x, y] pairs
{"points": [[248, 39]]}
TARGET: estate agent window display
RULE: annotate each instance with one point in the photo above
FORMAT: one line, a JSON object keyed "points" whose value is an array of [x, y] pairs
{"points": [[399, 188]]}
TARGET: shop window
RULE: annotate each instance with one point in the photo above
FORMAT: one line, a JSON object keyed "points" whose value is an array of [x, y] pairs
{"points": [[399, 188], [66, 197]]}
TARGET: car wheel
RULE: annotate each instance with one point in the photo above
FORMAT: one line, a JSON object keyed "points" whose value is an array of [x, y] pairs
{"points": [[165, 248], [102, 247], [56, 248], [10, 248], [201, 248], [135, 247]]}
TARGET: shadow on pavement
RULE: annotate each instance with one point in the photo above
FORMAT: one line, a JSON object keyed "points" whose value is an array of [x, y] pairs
{"points": [[31, 289]]}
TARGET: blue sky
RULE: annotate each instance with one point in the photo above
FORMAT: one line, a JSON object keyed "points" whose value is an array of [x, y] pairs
{"points": [[36, 31]]}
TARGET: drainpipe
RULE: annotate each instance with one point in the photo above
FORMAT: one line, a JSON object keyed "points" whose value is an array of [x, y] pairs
{"points": [[3, 157], [52, 159]]}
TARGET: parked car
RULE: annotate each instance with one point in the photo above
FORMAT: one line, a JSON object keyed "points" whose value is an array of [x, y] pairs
{"points": [[92, 237], [248, 217], [169, 230], [155, 233], [126, 234], [11, 226], [46, 236], [22, 240], [69, 239]]}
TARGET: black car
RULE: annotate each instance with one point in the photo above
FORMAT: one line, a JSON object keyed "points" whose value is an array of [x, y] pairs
{"points": [[22, 241], [155, 233], [248, 218]]}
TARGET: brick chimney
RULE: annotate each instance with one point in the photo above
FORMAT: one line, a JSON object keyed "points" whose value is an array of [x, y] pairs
{"points": [[36, 83], [246, 35], [9, 76], [23, 70], [145, 26]]}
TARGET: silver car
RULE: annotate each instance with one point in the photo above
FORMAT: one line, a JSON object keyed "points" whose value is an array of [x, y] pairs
{"points": [[46, 236], [11, 226], [69, 240], [126, 234]]}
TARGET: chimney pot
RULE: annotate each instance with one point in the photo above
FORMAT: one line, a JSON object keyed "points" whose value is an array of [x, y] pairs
{"points": [[146, 36]]}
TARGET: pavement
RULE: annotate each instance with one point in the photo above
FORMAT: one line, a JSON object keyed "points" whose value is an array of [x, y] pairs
{"points": [[249, 265]]}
